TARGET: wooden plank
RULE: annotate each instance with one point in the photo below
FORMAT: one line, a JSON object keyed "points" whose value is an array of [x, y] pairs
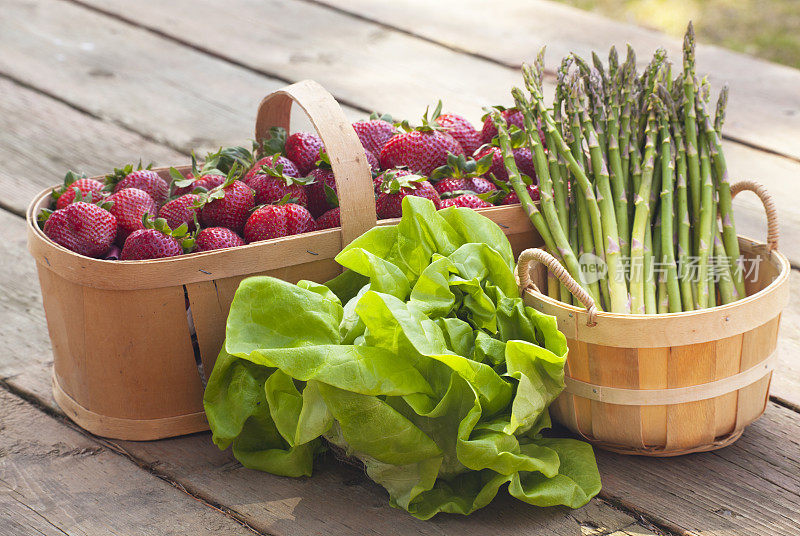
{"points": [[42, 138], [56, 481], [361, 63], [764, 102], [165, 91], [750, 487]]}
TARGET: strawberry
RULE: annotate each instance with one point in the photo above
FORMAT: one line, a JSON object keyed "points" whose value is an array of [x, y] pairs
{"points": [[156, 241], [303, 149], [191, 183], [287, 167], [329, 220], [65, 194], [375, 132], [524, 161], [396, 186], [461, 129], [143, 179], [217, 238], [227, 205], [274, 221], [318, 192], [271, 184], [512, 117], [421, 149], [511, 198], [476, 185], [128, 206], [181, 210], [82, 227], [389, 174], [465, 200], [497, 167], [374, 163]]}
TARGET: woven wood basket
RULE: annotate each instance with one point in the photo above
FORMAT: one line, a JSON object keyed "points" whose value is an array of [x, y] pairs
{"points": [[125, 358], [669, 384]]}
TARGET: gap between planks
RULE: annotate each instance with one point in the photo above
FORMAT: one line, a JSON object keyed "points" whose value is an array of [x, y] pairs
{"points": [[51, 412]]}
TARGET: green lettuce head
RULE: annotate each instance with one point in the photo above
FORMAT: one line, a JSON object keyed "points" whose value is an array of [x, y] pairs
{"points": [[420, 360]]}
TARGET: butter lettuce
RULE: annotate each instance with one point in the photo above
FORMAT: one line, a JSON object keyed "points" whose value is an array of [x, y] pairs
{"points": [[420, 360]]}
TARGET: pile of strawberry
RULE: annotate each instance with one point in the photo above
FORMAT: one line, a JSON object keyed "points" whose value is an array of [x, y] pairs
{"points": [[283, 187]]}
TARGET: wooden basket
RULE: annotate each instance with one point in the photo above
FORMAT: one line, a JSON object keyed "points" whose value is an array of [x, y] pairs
{"points": [[669, 384], [125, 359]]}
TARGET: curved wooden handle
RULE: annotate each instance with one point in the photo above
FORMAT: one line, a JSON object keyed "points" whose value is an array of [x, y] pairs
{"points": [[773, 232], [349, 161], [530, 256]]}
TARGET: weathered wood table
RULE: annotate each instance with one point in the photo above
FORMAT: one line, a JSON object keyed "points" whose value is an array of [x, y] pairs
{"points": [[90, 84]]}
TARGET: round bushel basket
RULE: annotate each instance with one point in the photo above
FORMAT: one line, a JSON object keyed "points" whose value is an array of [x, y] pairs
{"points": [[668, 384]]}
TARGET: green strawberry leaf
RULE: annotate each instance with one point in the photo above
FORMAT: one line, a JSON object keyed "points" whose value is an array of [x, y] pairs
{"points": [[330, 196], [43, 216]]}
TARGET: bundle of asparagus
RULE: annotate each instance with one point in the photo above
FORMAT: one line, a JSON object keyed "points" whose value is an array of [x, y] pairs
{"points": [[633, 182]]}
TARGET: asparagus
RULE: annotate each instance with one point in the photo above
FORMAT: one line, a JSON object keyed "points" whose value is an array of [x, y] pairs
{"points": [[660, 292], [559, 244], [690, 128], [727, 289], [617, 178], [667, 249], [649, 271], [729, 237], [617, 286], [641, 218], [705, 226]]}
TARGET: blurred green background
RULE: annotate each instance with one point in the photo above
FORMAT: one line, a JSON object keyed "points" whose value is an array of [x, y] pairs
{"points": [[769, 29]]}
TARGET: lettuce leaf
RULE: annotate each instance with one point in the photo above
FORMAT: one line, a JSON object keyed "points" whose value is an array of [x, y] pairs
{"points": [[420, 360]]}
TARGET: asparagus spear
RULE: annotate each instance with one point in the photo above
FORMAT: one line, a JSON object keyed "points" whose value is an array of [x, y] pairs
{"points": [[705, 242], [729, 237], [617, 176], [642, 215], [670, 272], [650, 302], [690, 130], [661, 296], [727, 289]]}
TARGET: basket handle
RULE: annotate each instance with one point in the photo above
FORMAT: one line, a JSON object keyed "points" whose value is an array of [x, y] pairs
{"points": [[530, 256], [349, 161], [769, 207]]}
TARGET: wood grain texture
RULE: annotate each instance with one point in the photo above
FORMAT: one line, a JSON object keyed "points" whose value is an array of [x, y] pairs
{"points": [[168, 92], [750, 487], [56, 481], [764, 105]]}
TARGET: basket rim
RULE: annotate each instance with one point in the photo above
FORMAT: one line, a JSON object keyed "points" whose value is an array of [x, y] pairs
{"points": [[783, 275], [623, 330]]}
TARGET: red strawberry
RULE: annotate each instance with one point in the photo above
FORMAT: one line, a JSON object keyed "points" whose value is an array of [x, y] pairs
{"points": [[374, 133], [421, 149], [181, 210], [274, 221], [497, 167], [475, 184], [317, 193], [462, 130], [208, 182], [84, 228], [465, 200], [228, 205], [396, 186], [512, 199], [329, 220], [143, 179], [512, 117], [217, 238], [129, 206], [65, 194], [303, 149], [149, 244], [288, 168], [374, 163], [270, 190], [524, 161]]}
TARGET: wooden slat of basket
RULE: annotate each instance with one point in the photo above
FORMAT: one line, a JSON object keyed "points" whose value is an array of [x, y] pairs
{"points": [[653, 375]]}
